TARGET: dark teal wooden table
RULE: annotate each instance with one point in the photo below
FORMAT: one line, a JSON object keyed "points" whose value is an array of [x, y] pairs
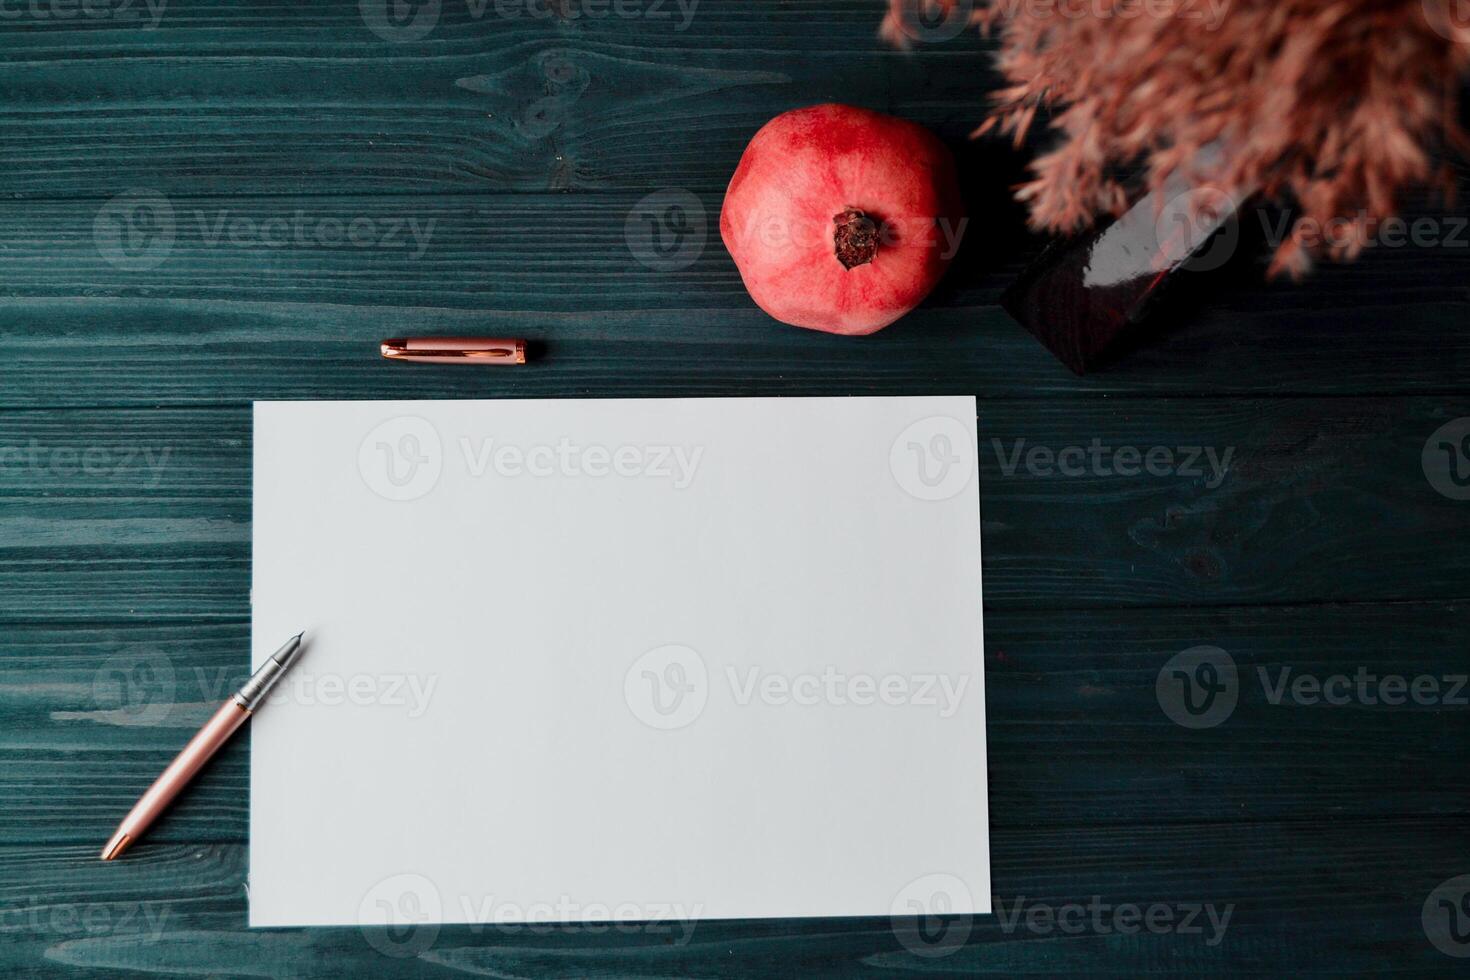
{"points": [[237, 200]]}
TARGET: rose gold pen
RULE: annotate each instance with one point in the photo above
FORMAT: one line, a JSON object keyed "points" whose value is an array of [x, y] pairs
{"points": [[455, 350], [215, 733]]}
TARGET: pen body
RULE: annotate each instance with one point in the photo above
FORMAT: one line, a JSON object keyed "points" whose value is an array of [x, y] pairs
{"points": [[205, 743]]}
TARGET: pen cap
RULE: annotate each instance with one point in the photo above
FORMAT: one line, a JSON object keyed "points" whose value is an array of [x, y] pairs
{"points": [[455, 350]]}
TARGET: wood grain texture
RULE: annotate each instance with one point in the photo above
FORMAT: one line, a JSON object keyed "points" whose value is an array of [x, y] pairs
{"points": [[145, 513], [276, 97], [267, 297], [523, 145], [89, 715], [1295, 896]]}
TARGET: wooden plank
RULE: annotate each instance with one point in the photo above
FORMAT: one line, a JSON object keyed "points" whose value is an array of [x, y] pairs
{"points": [[533, 253], [339, 27], [283, 98], [1282, 895], [1077, 735], [71, 353], [539, 249], [267, 297], [131, 513]]}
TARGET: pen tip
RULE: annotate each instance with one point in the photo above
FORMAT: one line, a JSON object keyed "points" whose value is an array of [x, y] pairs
{"points": [[116, 846]]}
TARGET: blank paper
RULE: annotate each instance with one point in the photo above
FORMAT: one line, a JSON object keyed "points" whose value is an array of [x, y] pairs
{"points": [[629, 659]]}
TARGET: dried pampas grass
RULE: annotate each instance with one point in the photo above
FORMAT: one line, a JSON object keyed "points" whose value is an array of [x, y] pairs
{"points": [[1334, 105]]}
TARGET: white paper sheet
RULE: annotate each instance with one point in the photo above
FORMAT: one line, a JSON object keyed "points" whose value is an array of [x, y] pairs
{"points": [[631, 660]]}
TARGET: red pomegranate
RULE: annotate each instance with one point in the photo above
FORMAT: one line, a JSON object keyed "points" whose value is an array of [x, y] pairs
{"points": [[841, 219]]}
